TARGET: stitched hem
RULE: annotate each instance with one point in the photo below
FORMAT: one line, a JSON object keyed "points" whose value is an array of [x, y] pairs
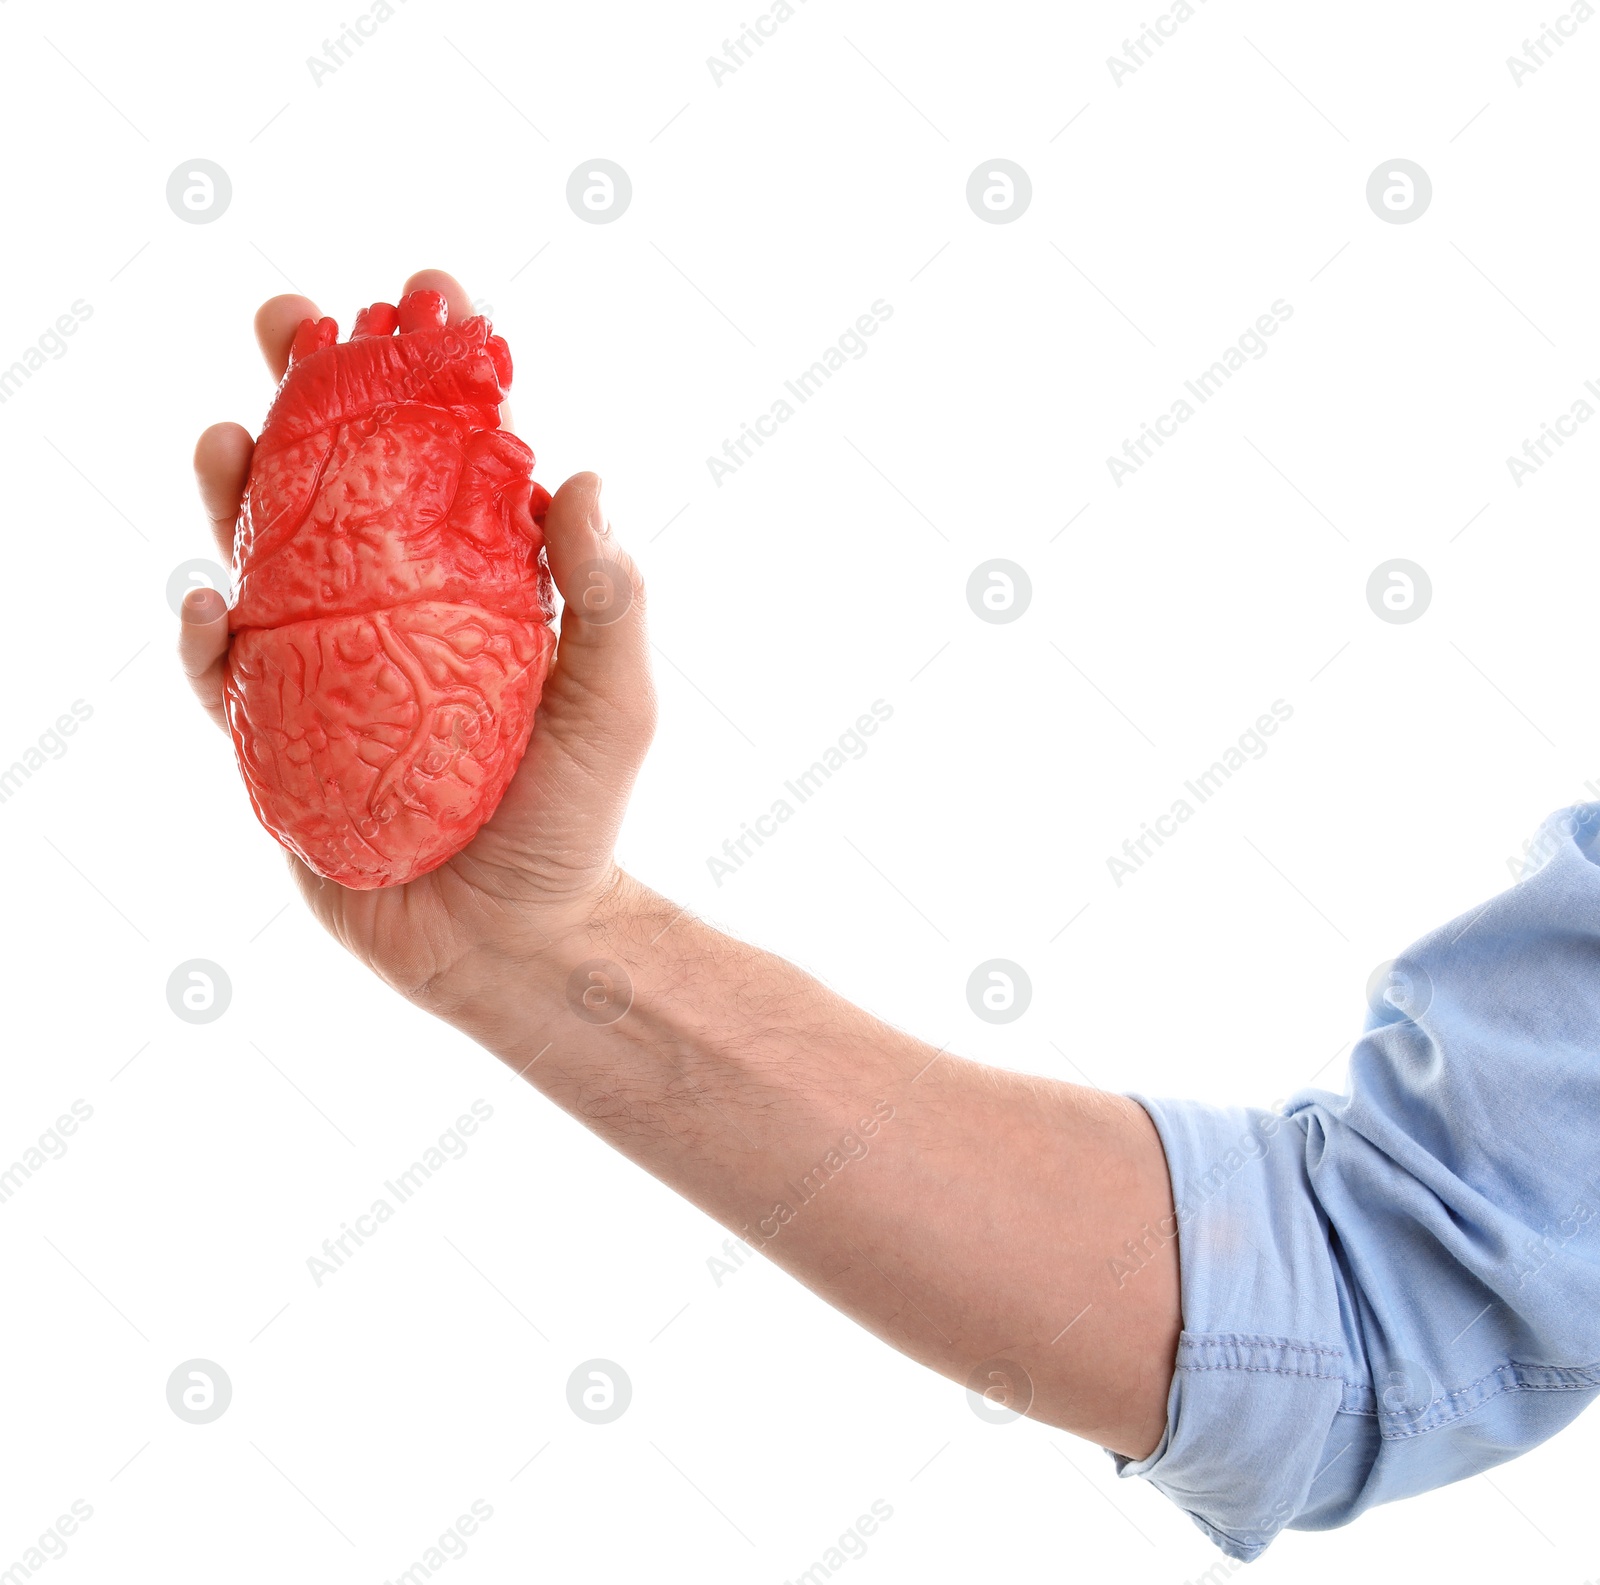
{"points": [[1233, 1546], [1249, 1353], [1447, 1408]]}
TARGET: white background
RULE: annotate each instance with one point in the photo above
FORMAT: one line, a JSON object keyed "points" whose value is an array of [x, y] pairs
{"points": [[1167, 614]]}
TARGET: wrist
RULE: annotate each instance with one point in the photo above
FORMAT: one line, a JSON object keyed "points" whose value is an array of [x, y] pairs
{"points": [[516, 967]]}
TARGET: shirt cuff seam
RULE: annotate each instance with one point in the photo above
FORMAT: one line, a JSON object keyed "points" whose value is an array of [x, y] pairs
{"points": [[1239, 1352], [1398, 1424]]}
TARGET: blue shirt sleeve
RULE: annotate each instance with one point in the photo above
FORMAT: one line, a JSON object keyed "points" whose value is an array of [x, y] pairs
{"points": [[1398, 1287]]}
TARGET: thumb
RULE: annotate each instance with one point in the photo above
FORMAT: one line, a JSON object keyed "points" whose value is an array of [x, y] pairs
{"points": [[600, 685]]}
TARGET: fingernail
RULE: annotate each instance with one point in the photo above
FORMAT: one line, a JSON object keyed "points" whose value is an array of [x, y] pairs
{"points": [[601, 526], [202, 605]]}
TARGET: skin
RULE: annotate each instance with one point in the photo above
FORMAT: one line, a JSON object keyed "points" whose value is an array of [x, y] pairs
{"points": [[963, 1213]]}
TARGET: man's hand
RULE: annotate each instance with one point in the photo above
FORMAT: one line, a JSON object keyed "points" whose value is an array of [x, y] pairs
{"points": [[543, 863], [971, 1217]]}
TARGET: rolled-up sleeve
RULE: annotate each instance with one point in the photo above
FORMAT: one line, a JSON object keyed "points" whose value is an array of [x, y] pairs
{"points": [[1399, 1287]]}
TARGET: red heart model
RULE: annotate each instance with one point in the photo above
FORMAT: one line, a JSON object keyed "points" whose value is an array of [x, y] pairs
{"points": [[391, 618]]}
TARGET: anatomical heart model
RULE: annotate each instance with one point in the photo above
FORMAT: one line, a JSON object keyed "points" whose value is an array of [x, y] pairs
{"points": [[391, 623]]}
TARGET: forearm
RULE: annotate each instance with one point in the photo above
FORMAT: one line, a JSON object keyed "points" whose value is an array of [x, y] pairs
{"points": [[960, 1212]]}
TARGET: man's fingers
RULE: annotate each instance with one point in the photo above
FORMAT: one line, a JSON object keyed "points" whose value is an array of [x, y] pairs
{"points": [[203, 646], [221, 465], [603, 653], [455, 294], [460, 305], [599, 583], [277, 319]]}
